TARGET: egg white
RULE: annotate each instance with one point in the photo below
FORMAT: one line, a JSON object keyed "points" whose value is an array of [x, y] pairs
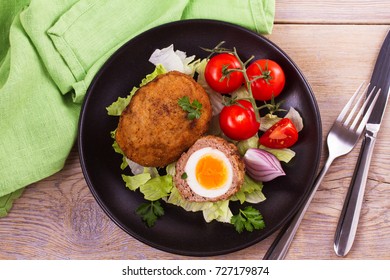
{"points": [[190, 170]]}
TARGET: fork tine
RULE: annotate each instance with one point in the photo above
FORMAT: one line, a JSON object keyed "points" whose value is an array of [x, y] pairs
{"points": [[369, 110], [357, 105], [349, 104]]}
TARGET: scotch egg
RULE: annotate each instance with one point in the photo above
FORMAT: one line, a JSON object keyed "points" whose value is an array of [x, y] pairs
{"points": [[211, 170]]}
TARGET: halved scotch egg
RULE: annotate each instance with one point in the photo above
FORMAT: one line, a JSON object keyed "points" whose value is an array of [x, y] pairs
{"points": [[211, 170]]}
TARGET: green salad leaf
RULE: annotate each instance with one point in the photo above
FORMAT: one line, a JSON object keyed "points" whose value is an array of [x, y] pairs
{"points": [[219, 211], [176, 199], [285, 154], [157, 187], [117, 107], [244, 145], [136, 181], [118, 150], [158, 70], [268, 121], [251, 191]]}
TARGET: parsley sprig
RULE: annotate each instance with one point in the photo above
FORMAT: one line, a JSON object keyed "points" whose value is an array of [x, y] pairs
{"points": [[194, 109], [248, 219], [150, 211]]}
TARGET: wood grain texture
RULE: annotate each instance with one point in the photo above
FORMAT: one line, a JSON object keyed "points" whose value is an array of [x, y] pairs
{"points": [[58, 218], [333, 11], [335, 60]]}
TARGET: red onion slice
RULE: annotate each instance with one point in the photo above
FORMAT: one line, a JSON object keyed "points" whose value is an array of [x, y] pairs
{"points": [[261, 165]]}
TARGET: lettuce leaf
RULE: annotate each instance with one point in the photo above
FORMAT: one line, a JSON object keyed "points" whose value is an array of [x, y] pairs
{"points": [[267, 121], [219, 211], [251, 190], [240, 93], [255, 197], [176, 199], [118, 150], [150, 77], [281, 154], [136, 181], [244, 145], [157, 187], [117, 107], [171, 168]]}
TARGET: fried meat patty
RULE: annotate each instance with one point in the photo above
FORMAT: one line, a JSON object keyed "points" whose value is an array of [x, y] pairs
{"points": [[154, 130], [231, 152]]}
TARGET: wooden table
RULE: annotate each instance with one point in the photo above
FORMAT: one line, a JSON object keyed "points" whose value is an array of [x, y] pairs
{"points": [[335, 43]]}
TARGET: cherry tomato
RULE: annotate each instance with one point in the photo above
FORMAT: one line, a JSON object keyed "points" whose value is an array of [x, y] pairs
{"points": [[238, 121], [267, 79], [219, 77], [283, 134]]}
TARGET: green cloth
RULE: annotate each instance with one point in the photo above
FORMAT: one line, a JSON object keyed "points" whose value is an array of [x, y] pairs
{"points": [[49, 54]]}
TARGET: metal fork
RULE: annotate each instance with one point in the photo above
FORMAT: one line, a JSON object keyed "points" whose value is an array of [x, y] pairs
{"points": [[341, 139]]}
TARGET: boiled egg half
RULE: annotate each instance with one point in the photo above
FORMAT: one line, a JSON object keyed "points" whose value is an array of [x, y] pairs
{"points": [[209, 172]]}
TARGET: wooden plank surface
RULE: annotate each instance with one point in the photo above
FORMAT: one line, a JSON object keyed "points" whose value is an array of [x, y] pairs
{"points": [[57, 218], [333, 11], [335, 59]]}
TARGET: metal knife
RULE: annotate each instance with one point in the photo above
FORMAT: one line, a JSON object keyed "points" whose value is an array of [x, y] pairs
{"points": [[349, 217]]}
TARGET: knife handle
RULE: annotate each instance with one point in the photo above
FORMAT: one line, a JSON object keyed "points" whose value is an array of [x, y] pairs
{"points": [[349, 217]]}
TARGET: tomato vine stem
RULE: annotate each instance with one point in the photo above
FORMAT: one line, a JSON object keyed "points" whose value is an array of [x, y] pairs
{"points": [[251, 99], [265, 74]]}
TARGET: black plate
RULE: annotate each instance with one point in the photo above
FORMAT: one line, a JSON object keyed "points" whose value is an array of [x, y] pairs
{"points": [[179, 231]]}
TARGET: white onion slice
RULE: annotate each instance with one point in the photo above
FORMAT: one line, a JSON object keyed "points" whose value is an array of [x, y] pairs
{"points": [[261, 165], [172, 60], [296, 118], [135, 167]]}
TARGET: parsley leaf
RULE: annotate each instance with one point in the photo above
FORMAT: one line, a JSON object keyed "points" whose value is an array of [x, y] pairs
{"points": [[194, 109], [150, 211], [248, 219]]}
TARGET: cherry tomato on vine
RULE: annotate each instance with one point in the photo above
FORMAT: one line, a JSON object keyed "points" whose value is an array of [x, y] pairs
{"points": [[238, 121], [267, 79], [281, 135], [220, 76]]}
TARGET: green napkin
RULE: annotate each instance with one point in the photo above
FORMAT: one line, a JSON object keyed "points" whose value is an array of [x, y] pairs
{"points": [[49, 54]]}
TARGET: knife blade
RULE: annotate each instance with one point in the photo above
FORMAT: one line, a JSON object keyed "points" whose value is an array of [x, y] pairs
{"points": [[349, 217]]}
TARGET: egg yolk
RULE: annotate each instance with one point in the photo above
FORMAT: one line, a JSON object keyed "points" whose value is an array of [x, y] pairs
{"points": [[211, 172]]}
